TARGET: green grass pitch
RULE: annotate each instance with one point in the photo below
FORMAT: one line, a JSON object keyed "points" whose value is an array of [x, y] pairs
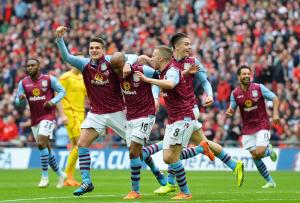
{"points": [[111, 186]]}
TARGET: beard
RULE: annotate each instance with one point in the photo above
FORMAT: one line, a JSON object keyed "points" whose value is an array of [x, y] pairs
{"points": [[245, 81]]}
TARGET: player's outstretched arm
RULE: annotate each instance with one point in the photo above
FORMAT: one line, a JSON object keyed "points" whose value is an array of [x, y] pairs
{"points": [[269, 95], [57, 87], [276, 119], [144, 59], [130, 60], [232, 107], [20, 98], [172, 79], [75, 61], [201, 75]]}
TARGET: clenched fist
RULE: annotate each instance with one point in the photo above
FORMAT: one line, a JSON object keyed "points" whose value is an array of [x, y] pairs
{"points": [[60, 31]]}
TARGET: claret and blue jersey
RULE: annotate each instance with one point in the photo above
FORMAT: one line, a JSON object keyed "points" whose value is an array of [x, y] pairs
{"points": [[37, 93], [100, 80], [252, 106]]}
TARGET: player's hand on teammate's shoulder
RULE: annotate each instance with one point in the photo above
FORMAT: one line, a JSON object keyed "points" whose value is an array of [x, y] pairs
{"points": [[22, 96], [141, 76], [126, 70], [229, 111], [60, 31], [48, 104], [209, 100], [144, 59]]}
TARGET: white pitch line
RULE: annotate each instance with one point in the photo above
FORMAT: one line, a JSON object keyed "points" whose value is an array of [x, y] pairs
{"points": [[62, 197], [163, 200], [150, 201]]}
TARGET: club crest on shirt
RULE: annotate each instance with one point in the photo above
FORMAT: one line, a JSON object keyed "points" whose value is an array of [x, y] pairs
{"points": [[126, 86], [98, 77], [254, 93], [186, 66], [103, 66], [36, 92], [248, 103]]}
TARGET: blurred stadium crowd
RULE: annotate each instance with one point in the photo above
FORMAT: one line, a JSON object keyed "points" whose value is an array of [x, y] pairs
{"points": [[224, 35]]}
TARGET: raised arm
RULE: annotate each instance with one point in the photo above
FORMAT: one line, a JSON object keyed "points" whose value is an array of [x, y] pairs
{"points": [[77, 62]]}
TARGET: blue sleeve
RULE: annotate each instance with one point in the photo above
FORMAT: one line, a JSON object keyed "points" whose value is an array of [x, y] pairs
{"points": [[155, 91], [232, 102], [57, 87], [173, 75], [148, 71], [198, 62], [267, 94], [21, 90], [77, 62], [107, 58], [131, 58], [201, 75]]}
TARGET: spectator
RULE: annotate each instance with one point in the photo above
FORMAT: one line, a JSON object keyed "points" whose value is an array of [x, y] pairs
{"points": [[223, 93], [226, 34], [10, 129]]}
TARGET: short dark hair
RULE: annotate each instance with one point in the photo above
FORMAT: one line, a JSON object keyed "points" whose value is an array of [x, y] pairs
{"points": [[176, 38], [99, 40], [165, 52], [243, 67]]}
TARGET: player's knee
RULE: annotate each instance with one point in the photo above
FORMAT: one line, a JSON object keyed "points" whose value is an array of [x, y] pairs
{"points": [[259, 154], [41, 144], [253, 154], [133, 153], [79, 144], [168, 159], [256, 156], [82, 144]]}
